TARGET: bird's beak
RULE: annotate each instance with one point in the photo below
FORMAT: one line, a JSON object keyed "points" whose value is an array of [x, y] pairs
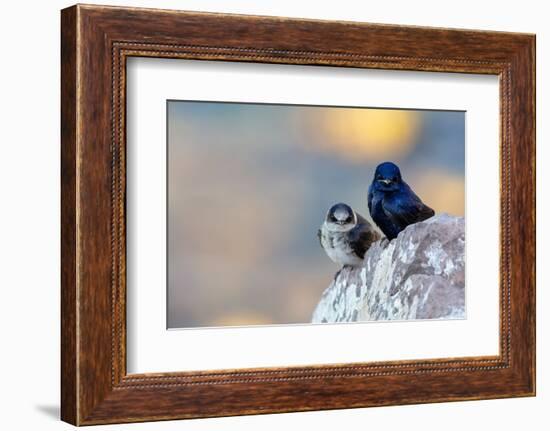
{"points": [[385, 181]]}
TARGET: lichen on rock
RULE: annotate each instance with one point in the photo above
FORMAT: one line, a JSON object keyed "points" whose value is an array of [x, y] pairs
{"points": [[418, 275]]}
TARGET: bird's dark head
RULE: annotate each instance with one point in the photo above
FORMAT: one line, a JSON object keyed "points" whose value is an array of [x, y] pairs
{"points": [[340, 217], [387, 177]]}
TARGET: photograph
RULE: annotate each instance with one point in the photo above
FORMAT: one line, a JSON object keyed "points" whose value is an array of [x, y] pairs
{"points": [[283, 214]]}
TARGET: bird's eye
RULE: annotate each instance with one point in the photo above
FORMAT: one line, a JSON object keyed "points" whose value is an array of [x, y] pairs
{"points": [[394, 179], [332, 218], [378, 177]]}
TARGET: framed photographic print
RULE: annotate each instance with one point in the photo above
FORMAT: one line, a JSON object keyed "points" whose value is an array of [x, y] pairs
{"points": [[266, 215]]}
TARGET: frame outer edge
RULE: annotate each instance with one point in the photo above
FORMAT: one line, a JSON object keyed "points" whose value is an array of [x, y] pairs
{"points": [[531, 82], [533, 54], [523, 216], [69, 302]]}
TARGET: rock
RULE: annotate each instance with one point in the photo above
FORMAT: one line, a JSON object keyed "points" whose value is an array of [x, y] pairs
{"points": [[418, 275]]}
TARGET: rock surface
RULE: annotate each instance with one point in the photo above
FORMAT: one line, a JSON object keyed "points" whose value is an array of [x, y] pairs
{"points": [[418, 275]]}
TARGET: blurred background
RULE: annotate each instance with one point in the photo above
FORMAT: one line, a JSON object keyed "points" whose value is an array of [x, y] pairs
{"points": [[249, 185]]}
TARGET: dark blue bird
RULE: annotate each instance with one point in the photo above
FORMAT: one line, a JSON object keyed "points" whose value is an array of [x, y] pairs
{"points": [[392, 203]]}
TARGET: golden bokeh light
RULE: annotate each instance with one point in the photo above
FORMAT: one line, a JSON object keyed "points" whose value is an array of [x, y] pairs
{"points": [[369, 134], [242, 318], [442, 191]]}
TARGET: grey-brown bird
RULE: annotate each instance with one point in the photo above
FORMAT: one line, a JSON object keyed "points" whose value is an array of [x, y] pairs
{"points": [[346, 235]]}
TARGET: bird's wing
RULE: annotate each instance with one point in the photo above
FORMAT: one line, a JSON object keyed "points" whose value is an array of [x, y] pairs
{"points": [[407, 209], [319, 237], [369, 198], [361, 237]]}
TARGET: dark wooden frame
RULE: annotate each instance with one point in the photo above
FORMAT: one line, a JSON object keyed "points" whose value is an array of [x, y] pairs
{"points": [[95, 42]]}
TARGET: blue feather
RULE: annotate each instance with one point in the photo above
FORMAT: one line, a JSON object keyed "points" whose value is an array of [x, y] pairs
{"points": [[392, 204]]}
